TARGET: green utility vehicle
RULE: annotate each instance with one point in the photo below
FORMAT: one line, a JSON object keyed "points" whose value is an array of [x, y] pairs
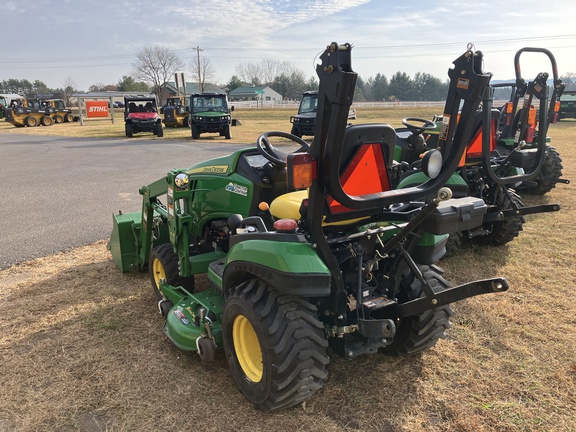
{"points": [[568, 105], [304, 122], [210, 113], [310, 250]]}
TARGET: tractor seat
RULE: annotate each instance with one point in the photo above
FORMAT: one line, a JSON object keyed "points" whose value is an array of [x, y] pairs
{"points": [[287, 206], [366, 155]]}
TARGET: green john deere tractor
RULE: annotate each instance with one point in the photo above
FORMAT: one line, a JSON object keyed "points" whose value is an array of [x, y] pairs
{"points": [[488, 169], [308, 250], [519, 127]]}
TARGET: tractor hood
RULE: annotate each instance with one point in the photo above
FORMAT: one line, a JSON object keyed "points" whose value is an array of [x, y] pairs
{"points": [[210, 114]]}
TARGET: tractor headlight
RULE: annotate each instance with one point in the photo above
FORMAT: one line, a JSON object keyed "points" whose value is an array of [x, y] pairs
{"points": [[181, 181], [432, 163]]}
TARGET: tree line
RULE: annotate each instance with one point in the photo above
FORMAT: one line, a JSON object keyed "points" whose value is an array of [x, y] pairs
{"points": [[154, 67]]}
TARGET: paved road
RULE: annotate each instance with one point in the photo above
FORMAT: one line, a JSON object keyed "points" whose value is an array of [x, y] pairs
{"points": [[61, 192]]}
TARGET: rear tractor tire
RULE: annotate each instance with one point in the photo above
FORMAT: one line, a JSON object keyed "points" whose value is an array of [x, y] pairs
{"points": [[504, 231], [58, 119], [163, 264], [274, 345], [129, 130], [419, 333], [549, 174], [159, 130], [68, 118]]}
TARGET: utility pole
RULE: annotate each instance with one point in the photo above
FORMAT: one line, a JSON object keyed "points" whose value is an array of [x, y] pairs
{"points": [[200, 86]]}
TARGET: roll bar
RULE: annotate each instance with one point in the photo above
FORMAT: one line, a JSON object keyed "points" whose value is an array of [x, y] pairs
{"points": [[337, 83]]}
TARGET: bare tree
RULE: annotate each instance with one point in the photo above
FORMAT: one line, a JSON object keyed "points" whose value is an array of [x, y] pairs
{"points": [[250, 73], [271, 69], [68, 89], [264, 72], [156, 65], [203, 70]]}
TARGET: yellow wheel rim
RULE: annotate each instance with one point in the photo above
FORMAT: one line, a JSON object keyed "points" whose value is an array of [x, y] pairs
{"points": [[158, 272], [247, 348]]}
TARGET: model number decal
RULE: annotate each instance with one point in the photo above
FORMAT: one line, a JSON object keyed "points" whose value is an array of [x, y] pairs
{"points": [[445, 127], [463, 83], [237, 189]]}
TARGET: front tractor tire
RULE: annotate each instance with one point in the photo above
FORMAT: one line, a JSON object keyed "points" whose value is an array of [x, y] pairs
{"points": [[274, 345], [418, 333], [129, 130], [159, 130], [163, 264]]}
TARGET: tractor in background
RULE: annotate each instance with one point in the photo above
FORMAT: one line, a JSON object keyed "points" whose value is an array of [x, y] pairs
{"points": [[29, 112], [485, 170], [176, 112], [59, 112], [520, 126]]}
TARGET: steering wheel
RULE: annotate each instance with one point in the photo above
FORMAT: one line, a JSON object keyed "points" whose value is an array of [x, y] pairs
{"points": [[274, 155], [415, 129]]}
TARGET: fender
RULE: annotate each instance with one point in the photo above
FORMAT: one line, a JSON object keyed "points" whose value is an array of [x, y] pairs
{"points": [[418, 177], [292, 268]]}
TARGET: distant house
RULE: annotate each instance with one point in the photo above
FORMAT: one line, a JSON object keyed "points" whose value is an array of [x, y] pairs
{"points": [[255, 93], [171, 89]]}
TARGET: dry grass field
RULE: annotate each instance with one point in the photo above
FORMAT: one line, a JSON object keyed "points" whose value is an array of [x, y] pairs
{"points": [[82, 348]]}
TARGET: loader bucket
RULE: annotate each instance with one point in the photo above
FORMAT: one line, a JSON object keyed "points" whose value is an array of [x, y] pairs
{"points": [[124, 241]]}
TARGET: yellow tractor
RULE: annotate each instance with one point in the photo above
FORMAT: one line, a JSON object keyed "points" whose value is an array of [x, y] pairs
{"points": [[59, 113], [175, 112], [23, 112]]}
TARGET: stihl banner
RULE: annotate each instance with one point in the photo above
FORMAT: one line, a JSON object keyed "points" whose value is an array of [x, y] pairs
{"points": [[96, 108]]}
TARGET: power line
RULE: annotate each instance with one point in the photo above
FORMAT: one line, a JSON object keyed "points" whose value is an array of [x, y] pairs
{"points": [[296, 49]]}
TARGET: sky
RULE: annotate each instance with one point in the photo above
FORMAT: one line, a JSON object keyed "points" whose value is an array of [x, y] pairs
{"points": [[95, 41]]}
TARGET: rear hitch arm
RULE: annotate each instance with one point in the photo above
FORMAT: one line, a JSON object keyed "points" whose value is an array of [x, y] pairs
{"points": [[451, 295]]}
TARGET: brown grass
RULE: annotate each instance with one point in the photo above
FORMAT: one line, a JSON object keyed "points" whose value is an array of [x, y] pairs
{"points": [[253, 123], [82, 349]]}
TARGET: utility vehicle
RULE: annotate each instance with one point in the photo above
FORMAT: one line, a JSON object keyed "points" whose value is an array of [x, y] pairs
{"points": [[304, 122], [210, 113], [310, 250], [141, 115], [568, 105]]}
